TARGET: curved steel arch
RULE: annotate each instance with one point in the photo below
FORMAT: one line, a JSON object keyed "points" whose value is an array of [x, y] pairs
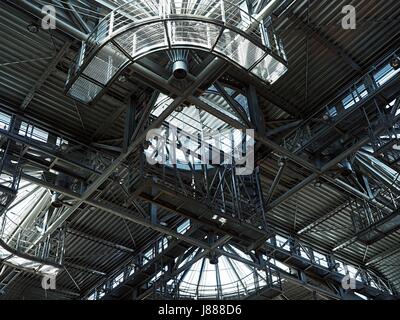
{"points": [[139, 28]]}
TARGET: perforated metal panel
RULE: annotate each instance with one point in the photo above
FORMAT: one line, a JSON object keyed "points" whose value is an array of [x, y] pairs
{"points": [[142, 27], [104, 65], [269, 69], [84, 90], [144, 39], [236, 17], [194, 33], [239, 49]]}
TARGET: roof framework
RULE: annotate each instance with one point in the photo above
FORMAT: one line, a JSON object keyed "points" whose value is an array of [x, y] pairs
{"points": [[321, 204]]}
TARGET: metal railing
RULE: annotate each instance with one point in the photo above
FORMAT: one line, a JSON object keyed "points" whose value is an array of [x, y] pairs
{"points": [[330, 263], [345, 104], [49, 144]]}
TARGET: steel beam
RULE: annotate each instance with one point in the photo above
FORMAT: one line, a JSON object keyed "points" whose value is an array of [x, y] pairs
{"points": [[85, 269], [79, 18], [289, 277], [233, 103], [256, 115], [380, 257]]}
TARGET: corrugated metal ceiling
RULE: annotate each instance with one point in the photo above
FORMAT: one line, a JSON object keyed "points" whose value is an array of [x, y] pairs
{"points": [[327, 73]]}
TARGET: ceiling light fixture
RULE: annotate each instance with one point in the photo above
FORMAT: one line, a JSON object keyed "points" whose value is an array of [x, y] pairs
{"points": [[33, 28]]}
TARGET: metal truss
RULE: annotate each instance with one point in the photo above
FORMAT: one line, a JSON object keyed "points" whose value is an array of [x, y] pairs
{"points": [[350, 122], [133, 30], [157, 276]]}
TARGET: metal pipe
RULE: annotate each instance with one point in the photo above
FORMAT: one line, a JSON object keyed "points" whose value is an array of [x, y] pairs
{"points": [[79, 18]]}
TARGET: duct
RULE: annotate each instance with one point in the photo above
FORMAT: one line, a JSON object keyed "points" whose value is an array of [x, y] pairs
{"points": [[179, 60]]}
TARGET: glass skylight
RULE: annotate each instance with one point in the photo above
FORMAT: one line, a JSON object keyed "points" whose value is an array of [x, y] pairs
{"points": [[320, 259], [183, 227], [355, 97], [32, 132]]}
